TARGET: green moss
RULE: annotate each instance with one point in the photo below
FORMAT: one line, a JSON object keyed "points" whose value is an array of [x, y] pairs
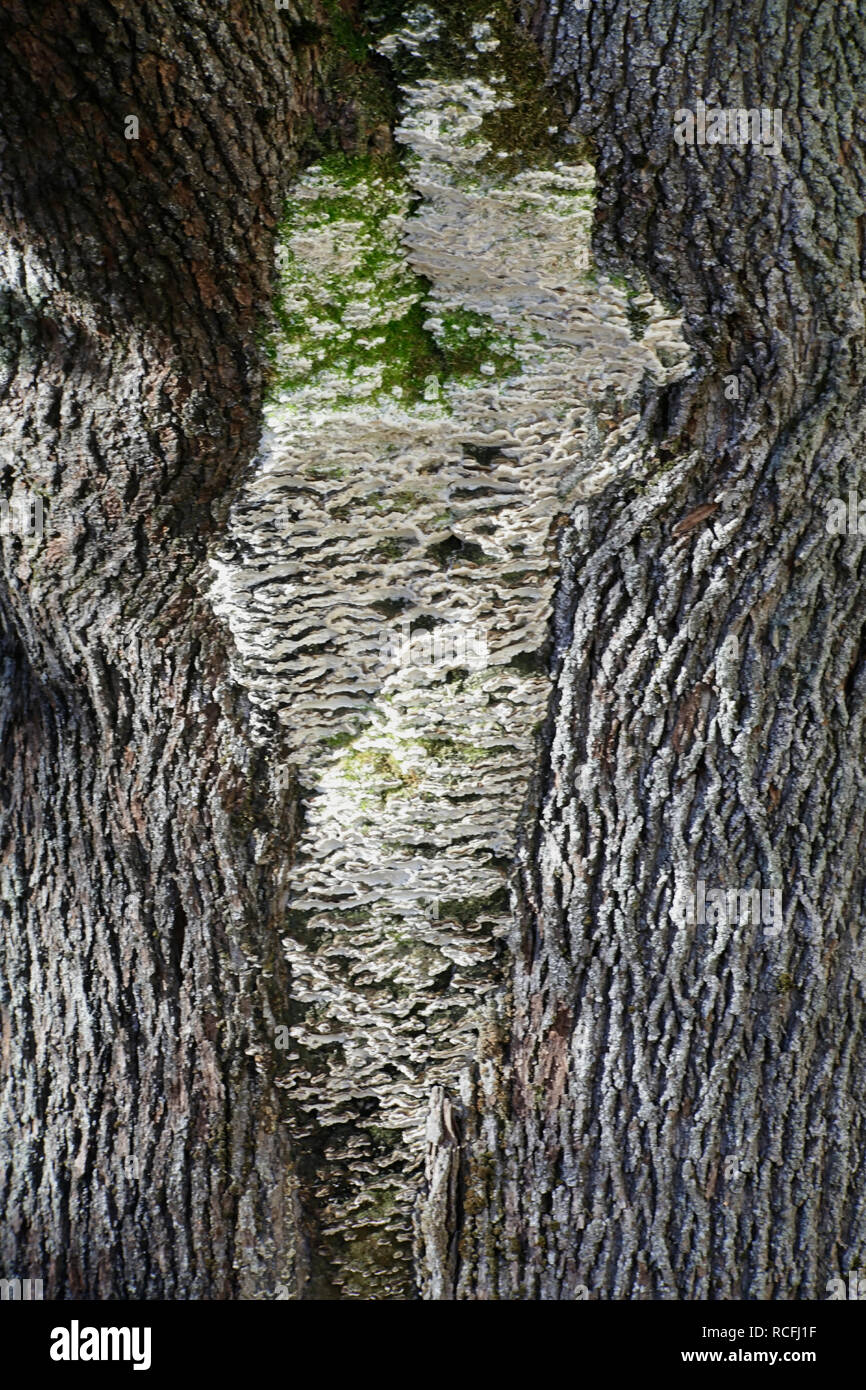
{"points": [[393, 547], [638, 318], [325, 472], [446, 750], [367, 764], [465, 910], [515, 579], [469, 340], [351, 916], [310, 310], [339, 740], [531, 129], [354, 85], [362, 199], [394, 355], [346, 34], [406, 501]]}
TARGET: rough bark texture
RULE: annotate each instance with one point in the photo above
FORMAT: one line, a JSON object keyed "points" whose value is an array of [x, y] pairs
{"points": [[657, 1109], [679, 1111], [142, 1151]]}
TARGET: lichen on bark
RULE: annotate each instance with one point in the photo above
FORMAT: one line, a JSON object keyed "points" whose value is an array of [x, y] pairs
{"points": [[429, 421], [227, 808]]}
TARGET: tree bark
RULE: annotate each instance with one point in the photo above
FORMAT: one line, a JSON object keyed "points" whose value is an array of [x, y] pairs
{"points": [[144, 1149], [658, 1108], [679, 1109]]}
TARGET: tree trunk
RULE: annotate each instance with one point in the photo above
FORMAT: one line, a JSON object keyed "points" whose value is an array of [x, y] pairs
{"points": [[621, 1100], [144, 1152], [679, 1110]]}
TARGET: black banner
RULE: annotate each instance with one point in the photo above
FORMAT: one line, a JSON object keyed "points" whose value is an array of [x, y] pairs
{"points": [[87, 1340]]}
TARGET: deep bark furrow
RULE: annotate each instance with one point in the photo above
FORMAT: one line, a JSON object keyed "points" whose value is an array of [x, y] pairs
{"points": [[659, 1107]]}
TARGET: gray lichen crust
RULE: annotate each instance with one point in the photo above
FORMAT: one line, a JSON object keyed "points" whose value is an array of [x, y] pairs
{"points": [[450, 378]]}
